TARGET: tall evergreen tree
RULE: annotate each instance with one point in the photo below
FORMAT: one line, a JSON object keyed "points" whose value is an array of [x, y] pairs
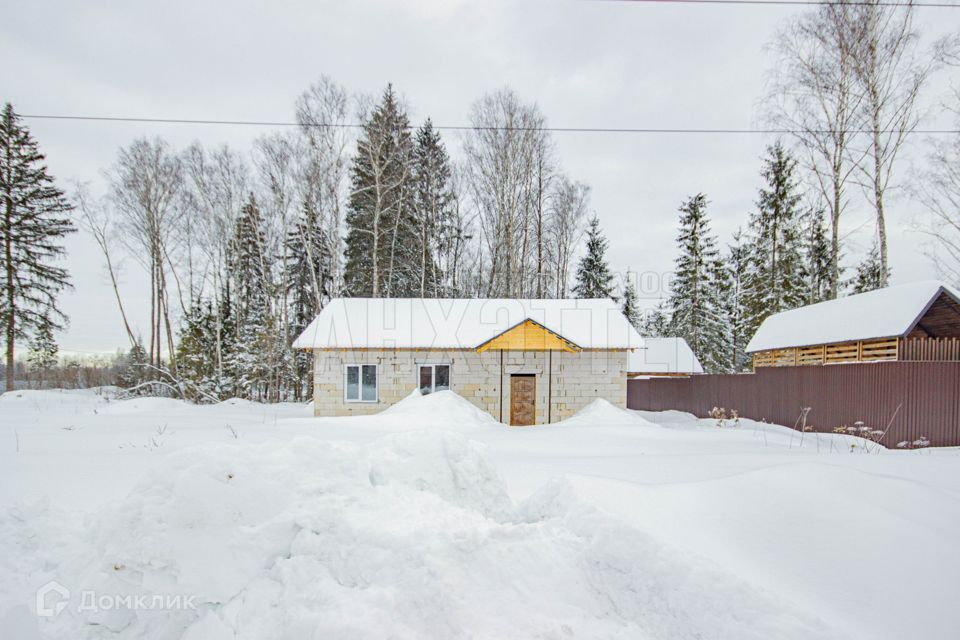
{"points": [[817, 255], [696, 310], [382, 257], [630, 304], [309, 280], [870, 274], [33, 224], [737, 265], [594, 279], [433, 206], [253, 357], [775, 279]]}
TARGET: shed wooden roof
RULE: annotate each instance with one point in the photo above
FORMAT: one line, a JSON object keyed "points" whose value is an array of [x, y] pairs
{"points": [[929, 306]]}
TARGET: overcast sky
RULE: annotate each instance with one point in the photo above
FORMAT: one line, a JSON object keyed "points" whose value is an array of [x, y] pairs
{"points": [[586, 64]]}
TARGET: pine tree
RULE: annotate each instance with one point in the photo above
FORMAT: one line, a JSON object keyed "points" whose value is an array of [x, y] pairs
{"points": [[594, 279], [737, 265], [629, 306], [195, 366], [433, 206], [134, 370], [251, 360], [32, 225], [775, 278], [869, 272], [382, 256], [42, 355], [309, 280], [817, 254], [696, 311], [656, 324]]}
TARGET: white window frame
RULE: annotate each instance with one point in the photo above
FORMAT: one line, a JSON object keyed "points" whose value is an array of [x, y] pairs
{"points": [[433, 374], [360, 366]]}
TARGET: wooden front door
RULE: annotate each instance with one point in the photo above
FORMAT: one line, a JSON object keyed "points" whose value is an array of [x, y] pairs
{"points": [[523, 399]]}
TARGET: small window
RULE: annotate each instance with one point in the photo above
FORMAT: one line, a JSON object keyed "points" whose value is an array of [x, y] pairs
{"points": [[434, 377], [361, 383]]}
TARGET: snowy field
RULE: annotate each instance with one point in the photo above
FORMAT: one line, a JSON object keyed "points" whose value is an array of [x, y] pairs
{"points": [[431, 520]]}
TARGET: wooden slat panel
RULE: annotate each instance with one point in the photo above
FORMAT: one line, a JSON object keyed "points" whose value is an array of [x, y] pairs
{"points": [[810, 355], [874, 350], [837, 353]]}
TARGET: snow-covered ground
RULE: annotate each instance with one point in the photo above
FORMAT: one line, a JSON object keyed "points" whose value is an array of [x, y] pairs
{"points": [[239, 520]]}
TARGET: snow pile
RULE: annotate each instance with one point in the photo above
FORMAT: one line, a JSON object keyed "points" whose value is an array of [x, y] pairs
{"points": [[438, 409], [410, 536], [601, 412]]}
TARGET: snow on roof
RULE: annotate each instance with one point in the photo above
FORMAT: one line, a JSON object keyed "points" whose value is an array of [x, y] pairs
{"points": [[455, 323], [882, 313], [664, 355]]}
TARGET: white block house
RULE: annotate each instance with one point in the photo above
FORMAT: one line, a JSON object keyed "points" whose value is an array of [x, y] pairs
{"points": [[523, 361]]}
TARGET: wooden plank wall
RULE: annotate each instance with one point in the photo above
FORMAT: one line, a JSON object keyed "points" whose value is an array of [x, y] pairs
{"points": [[929, 393], [859, 351]]}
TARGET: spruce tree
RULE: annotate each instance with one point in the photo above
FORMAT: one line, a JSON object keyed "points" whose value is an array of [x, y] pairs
{"points": [[869, 272], [737, 266], [817, 254], [33, 223], [42, 355], [630, 304], [382, 257], [250, 272], [656, 323], [309, 282], [695, 307], [195, 365], [134, 370], [594, 279], [775, 279], [433, 206]]}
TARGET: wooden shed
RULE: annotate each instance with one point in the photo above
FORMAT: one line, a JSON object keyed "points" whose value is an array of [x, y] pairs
{"points": [[915, 321]]}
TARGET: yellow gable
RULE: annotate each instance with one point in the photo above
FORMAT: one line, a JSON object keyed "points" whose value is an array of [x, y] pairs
{"points": [[528, 336]]}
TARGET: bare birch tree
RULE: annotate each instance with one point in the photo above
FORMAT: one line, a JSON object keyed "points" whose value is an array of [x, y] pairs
{"points": [[937, 186], [322, 112], [568, 208], [217, 182], [145, 183], [96, 220], [500, 160], [812, 94], [890, 71]]}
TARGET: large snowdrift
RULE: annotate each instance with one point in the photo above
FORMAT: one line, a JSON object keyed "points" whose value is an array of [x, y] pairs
{"points": [[282, 525], [411, 536]]}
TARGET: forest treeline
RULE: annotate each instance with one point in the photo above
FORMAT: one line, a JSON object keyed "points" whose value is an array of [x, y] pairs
{"points": [[240, 249]]}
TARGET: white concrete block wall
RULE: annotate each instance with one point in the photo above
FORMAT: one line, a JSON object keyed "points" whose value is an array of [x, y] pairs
{"points": [[578, 378]]}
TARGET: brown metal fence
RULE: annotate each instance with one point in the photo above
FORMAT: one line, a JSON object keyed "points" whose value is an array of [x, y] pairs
{"points": [[927, 393]]}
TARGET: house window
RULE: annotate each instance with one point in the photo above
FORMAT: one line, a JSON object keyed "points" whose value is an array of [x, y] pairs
{"points": [[361, 383], [434, 377]]}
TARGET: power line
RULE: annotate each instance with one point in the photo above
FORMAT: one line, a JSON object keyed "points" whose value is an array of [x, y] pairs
{"points": [[828, 3], [348, 125]]}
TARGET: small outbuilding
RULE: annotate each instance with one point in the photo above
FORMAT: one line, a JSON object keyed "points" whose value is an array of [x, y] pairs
{"points": [[663, 358], [915, 321], [524, 361]]}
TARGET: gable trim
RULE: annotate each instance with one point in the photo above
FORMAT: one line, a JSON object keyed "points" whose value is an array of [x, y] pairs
{"points": [[567, 345]]}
